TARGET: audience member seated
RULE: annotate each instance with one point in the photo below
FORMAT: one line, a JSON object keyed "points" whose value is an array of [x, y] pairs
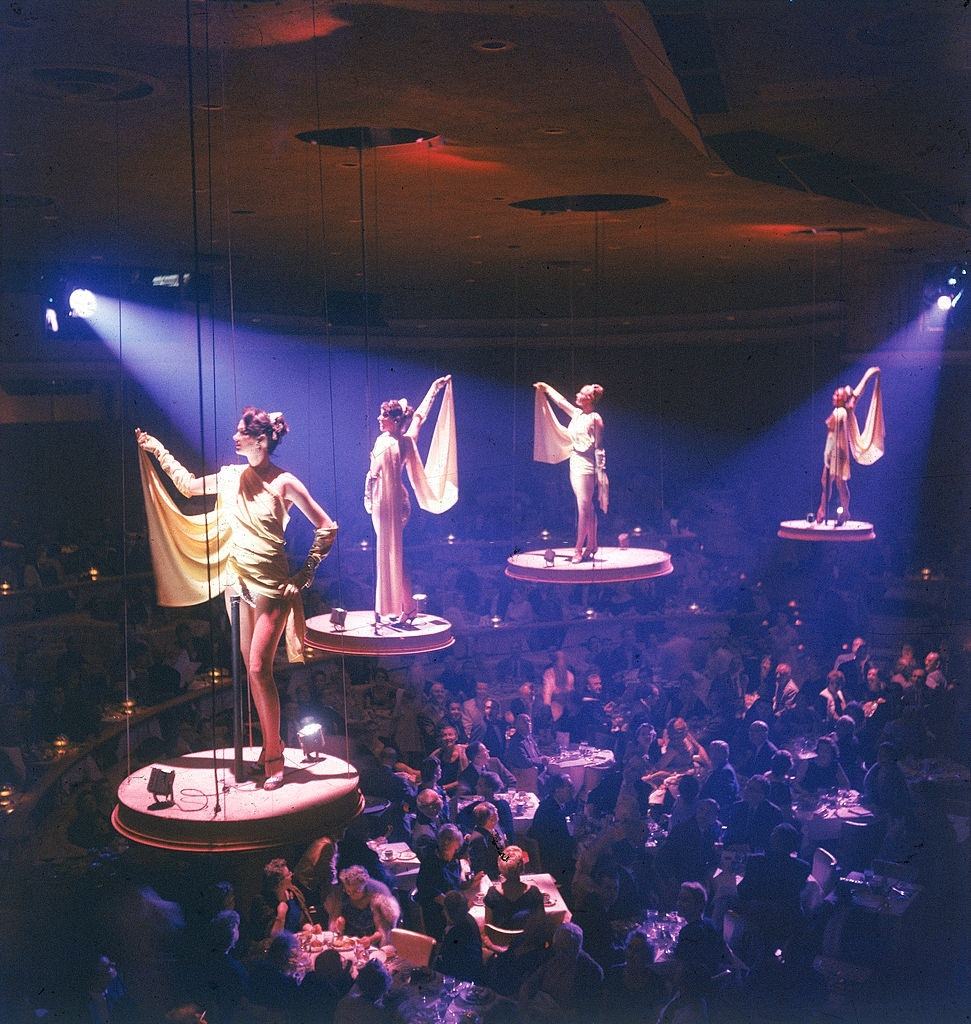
{"points": [[558, 678], [273, 978], [686, 802], [780, 792], [451, 756], [221, 980], [885, 786], [366, 1001], [279, 906], [761, 752], [557, 847], [688, 853], [510, 903], [633, 990], [481, 760], [487, 841], [316, 872], [440, 872], [594, 916], [567, 987], [522, 752], [494, 728], [363, 907], [460, 949], [700, 948], [324, 987], [680, 751], [722, 783], [752, 819], [848, 747], [769, 892], [824, 771], [488, 787], [832, 703]]}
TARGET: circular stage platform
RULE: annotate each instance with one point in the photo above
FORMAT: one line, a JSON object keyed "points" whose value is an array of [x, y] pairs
{"points": [[609, 565], [316, 797], [827, 531], [358, 636]]}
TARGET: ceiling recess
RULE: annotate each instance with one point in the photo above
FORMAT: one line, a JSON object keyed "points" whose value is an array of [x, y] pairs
{"points": [[364, 137], [88, 84], [602, 203]]}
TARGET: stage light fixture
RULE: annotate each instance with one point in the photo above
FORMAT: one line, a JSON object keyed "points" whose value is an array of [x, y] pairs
{"points": [[549, 556], [82, 303], [944, 284], [312, 740], [338, 616], [161, 784]]}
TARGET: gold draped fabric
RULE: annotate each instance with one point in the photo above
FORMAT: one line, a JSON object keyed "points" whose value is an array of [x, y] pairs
{"points": [[239, 543]]}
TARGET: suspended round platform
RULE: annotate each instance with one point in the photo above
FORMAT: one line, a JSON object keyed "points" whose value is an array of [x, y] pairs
{"points": [[853, 530], [317, 796], [360, 635], [608, 565]]}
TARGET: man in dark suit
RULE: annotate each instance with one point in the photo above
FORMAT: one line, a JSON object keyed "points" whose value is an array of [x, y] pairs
{"points": [[759, 759], [557, 848], [752, 819]]}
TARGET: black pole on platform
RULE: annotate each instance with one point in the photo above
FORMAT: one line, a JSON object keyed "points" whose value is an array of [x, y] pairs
{"points": [[237, 691]]}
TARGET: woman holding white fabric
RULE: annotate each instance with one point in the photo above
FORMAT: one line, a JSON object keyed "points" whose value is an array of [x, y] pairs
{"points": [[385, 497], [582, 443], [243, 555], [844, 439]]}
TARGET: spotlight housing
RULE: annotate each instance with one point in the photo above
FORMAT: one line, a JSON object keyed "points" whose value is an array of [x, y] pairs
{"points": [[82, 303], [944, 284], [312, 740]]}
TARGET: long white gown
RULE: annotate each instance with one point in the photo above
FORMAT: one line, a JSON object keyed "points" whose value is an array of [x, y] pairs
{"points": [[435, 483]]}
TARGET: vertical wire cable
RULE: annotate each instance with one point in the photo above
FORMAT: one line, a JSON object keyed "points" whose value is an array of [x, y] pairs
{"points": [[330, 363], [200, 382], [122, 385]]}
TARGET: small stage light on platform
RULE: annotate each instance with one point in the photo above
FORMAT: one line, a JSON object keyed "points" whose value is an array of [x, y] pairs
{"points": [[364, 545], [312, 740], [128, 707], [450, 539], [590, 613], [93, 574], [549, 556], [637, 531], [60, 745], [810, 517], [338, 616], [623, 541], [421, 603], [925, 573], [544, 535], [161, 785], [694, 607], [82, 303], [496, 621]]}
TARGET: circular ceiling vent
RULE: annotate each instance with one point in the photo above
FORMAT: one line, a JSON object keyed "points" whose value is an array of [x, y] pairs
{"points": [[89, 84], [363, 137], [589, 203]]}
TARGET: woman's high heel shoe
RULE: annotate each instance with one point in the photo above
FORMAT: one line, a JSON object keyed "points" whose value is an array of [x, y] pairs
{"points": [[274, 773], [576, 558]]}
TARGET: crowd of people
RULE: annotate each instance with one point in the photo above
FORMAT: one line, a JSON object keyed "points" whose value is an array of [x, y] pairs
{"points": [[709, 715]]}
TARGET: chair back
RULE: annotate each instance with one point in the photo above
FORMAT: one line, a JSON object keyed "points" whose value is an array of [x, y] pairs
{"points": [[527, 779], [502, 936], [824, 870], [891, 869], [731, 928], [413, 947]]}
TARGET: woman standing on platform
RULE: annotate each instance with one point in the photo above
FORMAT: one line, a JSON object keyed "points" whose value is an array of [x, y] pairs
{"points": [[845, 439], [582, 443], [385, 497], [247, 558]]}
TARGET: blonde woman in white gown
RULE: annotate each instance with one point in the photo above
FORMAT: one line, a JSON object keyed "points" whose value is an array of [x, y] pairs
{"points": [[582, 443], [386, 500]]}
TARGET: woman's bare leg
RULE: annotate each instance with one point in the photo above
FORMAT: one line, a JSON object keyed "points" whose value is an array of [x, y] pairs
{"points": [[260, 629], [843, 490], [824, 496], [586, 517]]}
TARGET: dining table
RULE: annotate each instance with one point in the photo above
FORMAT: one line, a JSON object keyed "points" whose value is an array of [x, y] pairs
{"points": [[398, 859], [584, 766], [522, 803], [556, 909], [822, 821]]}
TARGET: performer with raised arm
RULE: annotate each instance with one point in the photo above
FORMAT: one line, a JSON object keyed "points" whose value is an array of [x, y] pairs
{"points": [[240, 552], [844, 439], [582, 443], [386, 500]]}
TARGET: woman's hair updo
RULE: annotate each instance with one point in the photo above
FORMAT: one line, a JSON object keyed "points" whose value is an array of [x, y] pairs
{"points": [[260, 423], [595, 391], [397, 409]]}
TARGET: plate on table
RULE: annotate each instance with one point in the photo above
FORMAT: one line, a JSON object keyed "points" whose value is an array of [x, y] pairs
{"points": [[476, 995]]}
